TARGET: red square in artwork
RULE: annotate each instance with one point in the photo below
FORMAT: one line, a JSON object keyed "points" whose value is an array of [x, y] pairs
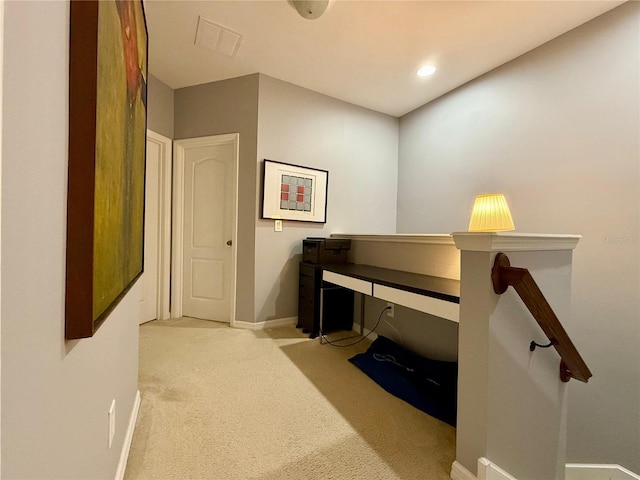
{"points": [[300, 188], [284, 187], [284, 196], [301, 198]]}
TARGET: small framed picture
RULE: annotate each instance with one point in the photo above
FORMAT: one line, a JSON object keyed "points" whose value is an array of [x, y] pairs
{"points": [[294, 192]]}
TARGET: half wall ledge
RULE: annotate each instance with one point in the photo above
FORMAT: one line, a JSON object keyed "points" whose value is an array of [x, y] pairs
{"points": [[514, 242]]}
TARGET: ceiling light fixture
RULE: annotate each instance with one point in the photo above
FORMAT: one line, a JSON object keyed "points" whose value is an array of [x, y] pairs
{"points": [[310, 9], [426, 71]]}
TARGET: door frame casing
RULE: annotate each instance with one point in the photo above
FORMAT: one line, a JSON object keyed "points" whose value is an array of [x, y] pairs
{"points": [[164, 224], [177, 255]]}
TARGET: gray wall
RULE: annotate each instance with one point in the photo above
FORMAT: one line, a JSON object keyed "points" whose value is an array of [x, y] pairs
{"points": [[357, 146], [229, 106], [55, 393], [557, 130], [160, 107]]}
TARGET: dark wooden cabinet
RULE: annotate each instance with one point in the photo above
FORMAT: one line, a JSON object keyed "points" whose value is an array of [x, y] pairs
{"points": [[309, 298], [337, 304]]}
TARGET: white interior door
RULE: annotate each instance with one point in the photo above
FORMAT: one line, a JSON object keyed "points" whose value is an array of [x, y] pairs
{"points": [[209, 172], [154, 294]]}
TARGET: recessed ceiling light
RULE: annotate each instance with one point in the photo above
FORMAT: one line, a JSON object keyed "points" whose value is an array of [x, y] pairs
{"points": [[426, 71]]}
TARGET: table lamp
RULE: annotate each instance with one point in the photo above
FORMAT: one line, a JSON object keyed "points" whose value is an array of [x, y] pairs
{"points": [[491, 214]]}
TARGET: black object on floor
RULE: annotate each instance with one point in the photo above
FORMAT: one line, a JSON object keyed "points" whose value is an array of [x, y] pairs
{"points": [[429, 385]]}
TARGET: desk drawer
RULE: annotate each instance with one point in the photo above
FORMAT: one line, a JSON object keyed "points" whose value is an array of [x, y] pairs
{"points": [[422, 303]]}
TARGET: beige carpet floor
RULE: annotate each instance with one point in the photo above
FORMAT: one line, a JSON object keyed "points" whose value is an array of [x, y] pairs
{"points": [[221, 403]]}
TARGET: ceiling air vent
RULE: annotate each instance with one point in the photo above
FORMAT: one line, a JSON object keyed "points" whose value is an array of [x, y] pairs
{"points": [[217, 37]]}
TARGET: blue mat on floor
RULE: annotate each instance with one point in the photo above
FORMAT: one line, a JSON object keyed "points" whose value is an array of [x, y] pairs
{"points": [[429, 385]]}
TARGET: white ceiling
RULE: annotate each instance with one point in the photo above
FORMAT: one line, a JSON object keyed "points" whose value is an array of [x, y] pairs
{"points": [[362, 52]]}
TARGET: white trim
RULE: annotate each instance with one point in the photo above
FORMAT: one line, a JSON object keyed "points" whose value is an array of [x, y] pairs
{"points": [[458, 472], [178, 219], [488, 470], [427, 238], [177, 215], [1, 115], [276, 322], [514, 242], [124, 453], [606, 471], [234, 231], [164, 224]]}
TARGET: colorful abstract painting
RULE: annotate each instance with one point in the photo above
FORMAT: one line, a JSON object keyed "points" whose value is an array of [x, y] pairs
{"points": [[107, 138]]}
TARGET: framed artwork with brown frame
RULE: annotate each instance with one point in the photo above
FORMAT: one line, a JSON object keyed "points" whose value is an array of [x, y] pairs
{"points": [[107, 143]]}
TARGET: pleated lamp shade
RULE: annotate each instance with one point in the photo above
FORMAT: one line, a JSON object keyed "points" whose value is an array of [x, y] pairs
{"points": [[491, 214]]}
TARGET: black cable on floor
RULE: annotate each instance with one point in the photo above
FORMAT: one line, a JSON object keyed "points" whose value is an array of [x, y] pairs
{"points": [[322, 335]]}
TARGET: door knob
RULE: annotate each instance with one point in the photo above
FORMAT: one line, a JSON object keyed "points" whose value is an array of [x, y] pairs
{"points": [[229, 242]]}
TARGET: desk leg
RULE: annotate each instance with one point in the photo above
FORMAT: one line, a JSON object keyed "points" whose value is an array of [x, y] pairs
{"points": [[362, 302], [320, 334]]}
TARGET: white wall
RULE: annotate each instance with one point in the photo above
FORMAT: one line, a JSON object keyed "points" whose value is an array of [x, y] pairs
{"points": [[558, 131], [357, 146], [55, 394]]}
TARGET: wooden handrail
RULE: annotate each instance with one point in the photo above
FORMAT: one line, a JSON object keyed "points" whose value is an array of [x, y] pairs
{"points": [[502, 275]]}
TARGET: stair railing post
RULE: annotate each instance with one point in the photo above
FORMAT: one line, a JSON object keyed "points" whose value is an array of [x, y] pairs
{"points": [[512, 404]]}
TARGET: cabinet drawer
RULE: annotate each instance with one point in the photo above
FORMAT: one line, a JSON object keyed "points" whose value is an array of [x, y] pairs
{"points": [[307, 281], [306, 294], [308, 270], [306, 316], [305, 310]]}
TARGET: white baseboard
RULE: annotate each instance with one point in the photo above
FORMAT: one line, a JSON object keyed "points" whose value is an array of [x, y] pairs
{"points": [[486, 471], [458, 472], [365, 332], [276, 322], [124, 454], [580, 471], [574, 471]]}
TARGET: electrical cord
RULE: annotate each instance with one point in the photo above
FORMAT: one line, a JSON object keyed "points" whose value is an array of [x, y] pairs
{"points": [[333, 344], [390, 358], [391, 326]]}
